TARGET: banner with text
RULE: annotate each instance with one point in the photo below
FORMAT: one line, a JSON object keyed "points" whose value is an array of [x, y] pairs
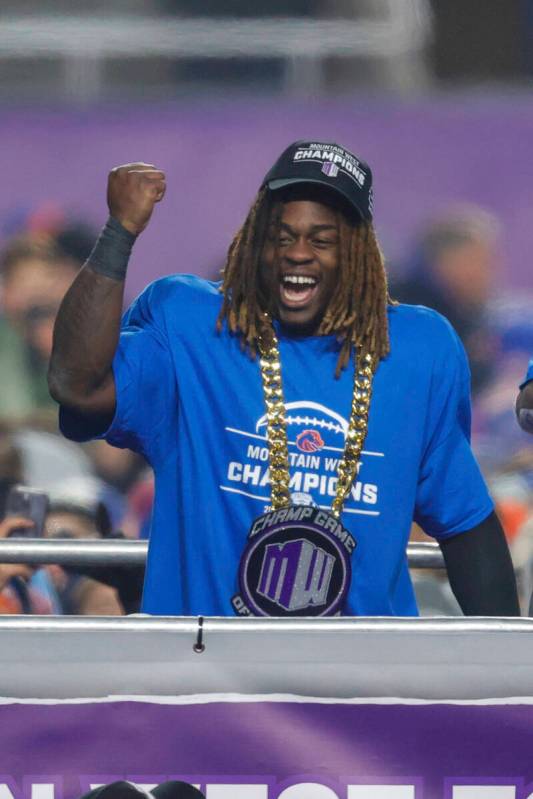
{"points": [[237, 747]]}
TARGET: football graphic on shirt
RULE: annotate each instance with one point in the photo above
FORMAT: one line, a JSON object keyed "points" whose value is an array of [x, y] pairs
{"points": [[316, 436], [311, 426]]}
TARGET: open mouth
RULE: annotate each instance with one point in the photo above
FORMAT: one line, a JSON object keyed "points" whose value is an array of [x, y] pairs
{"points": [[297, 290]]}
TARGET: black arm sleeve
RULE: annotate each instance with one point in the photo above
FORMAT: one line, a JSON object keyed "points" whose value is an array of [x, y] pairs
{"points": [[480, 570]]}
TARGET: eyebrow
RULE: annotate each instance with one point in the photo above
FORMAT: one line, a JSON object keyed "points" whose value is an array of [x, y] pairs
{"points": [[314, 228]]}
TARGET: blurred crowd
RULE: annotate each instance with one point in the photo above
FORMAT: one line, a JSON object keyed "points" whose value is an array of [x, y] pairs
{"points": [[96, 491], [93, 490], [457, 267]]}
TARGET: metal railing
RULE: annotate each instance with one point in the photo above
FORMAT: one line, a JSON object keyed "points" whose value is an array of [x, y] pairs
{"points": [[133, 553], [403, 29], [251, 626], [432, 658], [84, 43]]}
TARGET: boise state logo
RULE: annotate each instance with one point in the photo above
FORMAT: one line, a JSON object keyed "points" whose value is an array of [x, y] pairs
{"points": [[297, 563], [313, 423], [309, 441]]}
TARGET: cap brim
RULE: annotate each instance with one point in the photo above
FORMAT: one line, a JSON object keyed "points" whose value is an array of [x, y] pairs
{"points": [[281, 183]]}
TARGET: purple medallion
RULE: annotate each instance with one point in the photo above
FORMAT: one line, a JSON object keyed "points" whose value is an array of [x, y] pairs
{"points": [[297, 563]]}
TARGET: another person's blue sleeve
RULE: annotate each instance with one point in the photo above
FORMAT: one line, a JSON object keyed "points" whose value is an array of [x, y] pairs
{"points": [[529, 374], [452, 496], [146, 388]]}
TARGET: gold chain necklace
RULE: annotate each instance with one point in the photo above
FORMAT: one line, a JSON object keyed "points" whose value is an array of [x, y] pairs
{"points": [[277, 429]]}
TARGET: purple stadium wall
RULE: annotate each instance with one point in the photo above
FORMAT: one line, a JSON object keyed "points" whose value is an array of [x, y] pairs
{"points": [[425, 155]]}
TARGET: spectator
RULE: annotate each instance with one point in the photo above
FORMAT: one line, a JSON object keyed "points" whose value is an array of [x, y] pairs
{"points": [[35, 275], [91, 590], [11, 467], [15, 594], [20, 590], [36, 270], [453, 270]]}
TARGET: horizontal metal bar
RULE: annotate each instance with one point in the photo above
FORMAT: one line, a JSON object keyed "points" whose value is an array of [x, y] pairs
{"points": [[133, 553], [427, 658], [97, 36], [424, 556], [289, 627], [71, 552]]}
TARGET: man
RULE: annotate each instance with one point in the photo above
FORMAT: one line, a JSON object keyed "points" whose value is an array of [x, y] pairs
{"points": [[85, 589], [261, 399], [524, 402], [453, 269]]}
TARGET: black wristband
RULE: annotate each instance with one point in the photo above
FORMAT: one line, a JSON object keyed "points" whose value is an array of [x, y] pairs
{"points": [[111, 253]]}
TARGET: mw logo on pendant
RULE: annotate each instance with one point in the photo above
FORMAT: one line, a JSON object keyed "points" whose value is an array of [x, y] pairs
{"points": [[297, 562]]}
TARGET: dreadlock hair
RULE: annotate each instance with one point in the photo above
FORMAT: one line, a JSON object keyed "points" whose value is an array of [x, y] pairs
{"points": [[357, 311]]}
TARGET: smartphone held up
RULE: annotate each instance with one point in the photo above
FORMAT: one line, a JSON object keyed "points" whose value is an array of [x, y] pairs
{"points": [[27, 503]]}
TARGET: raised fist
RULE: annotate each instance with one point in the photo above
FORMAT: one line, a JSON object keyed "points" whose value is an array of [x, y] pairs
{"points": [[132, 192]]}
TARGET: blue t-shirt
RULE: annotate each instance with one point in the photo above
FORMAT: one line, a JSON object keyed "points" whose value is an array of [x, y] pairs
{"points": [[191, 401]]}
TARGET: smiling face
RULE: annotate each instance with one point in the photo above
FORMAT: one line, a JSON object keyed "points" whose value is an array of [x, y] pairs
{"points": [[298, 271]]}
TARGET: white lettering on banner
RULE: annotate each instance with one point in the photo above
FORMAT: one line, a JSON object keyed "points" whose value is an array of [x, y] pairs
{"points": [[381, 792], [39, 790], [43, 790], [236, 791], [142, 786], [299, 790], [308, 790], [484, 792]]}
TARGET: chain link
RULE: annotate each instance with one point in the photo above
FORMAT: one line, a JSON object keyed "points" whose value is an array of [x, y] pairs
{"points": [[277, 429], [276, 426]]}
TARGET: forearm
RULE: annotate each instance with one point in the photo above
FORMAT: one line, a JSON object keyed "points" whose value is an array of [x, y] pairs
{"points": [[480, 570], [88, 324], [87, 328]]}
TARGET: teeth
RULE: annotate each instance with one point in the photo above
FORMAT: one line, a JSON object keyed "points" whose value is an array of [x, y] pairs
{"points": [[299, 280]]}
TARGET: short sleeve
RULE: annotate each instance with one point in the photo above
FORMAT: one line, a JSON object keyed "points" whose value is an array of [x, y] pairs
{"points": [[146, 388], [451, 494], [529, 374]]}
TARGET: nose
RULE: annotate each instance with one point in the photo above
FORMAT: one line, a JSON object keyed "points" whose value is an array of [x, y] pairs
{"points": [[299, 251]]}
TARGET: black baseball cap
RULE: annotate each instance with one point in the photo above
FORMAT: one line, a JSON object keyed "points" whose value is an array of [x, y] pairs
{"points": [[173, 789], [327, 164]]}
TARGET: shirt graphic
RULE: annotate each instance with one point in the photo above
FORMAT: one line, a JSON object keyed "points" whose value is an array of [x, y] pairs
{"points": [[316, 436]]}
